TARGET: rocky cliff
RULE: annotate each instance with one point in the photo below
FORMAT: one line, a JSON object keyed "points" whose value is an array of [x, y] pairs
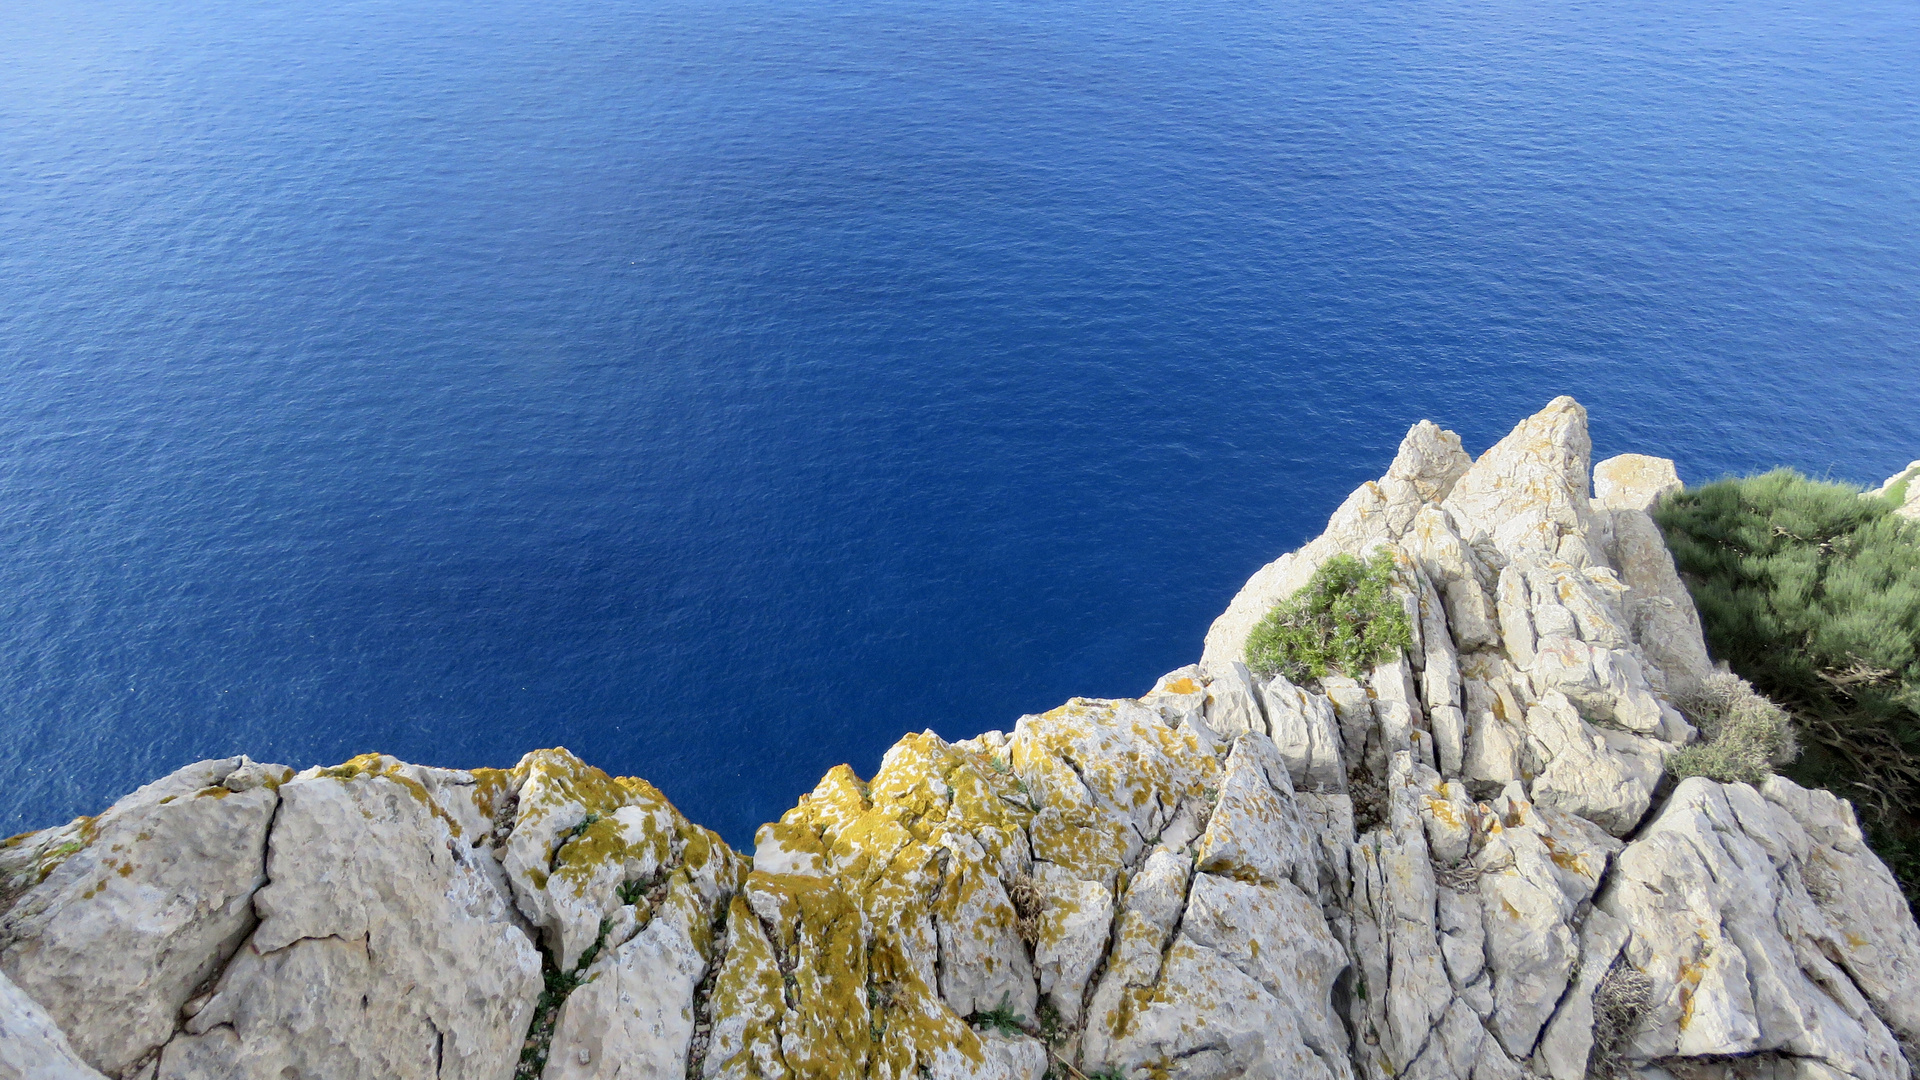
{"points": [[1467, 864]]}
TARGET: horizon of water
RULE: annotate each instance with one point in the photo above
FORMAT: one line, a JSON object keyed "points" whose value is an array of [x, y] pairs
{"points": [[723, 390]]}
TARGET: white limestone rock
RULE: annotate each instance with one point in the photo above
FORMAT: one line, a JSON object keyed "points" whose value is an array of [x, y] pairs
{"points": [[561, 805], [633, 1017], [1246, 991], [1528, 493], [1608, 685], [1402, 989], [1567, 1043], [983, 965], [1180, 697], [32, 1046], [1075, 921], [1540, 867], [1494, 718], [1306, 731], [1142, 935], [1910, 506], [153, 898], [1456, 572], [1634, 482], [1869, 926], [1253, 833], [1233, 702], [1741, 958], [1602, 775], [383, 949]]}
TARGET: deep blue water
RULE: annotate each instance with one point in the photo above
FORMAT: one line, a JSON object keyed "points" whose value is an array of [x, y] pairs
{"points": [[720, 389]]}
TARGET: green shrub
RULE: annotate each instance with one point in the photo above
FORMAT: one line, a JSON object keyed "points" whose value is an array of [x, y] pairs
{"points": [[1743, 736], [1812, 592], [1345, 619], [1807, 589]]}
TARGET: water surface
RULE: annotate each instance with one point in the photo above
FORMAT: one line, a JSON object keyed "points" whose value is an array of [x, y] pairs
{"points": [[720, 389]]}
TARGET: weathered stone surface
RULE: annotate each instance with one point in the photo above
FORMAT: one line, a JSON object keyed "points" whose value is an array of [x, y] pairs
{"points": [[32, 1046], [1910, 506], [1233, 702], [1659, 611], [383, 949], [1528, 493], [634, 1014], [1538, 875], [1872, 929], [1605, 776], [140, 906], [1741, 958], [1634, 482], [1072, 938], [1567, 1043], [1245, 991], [1253, 833], [1306, 732]]}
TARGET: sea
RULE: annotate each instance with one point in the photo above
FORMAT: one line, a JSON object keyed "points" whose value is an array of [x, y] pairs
{"points": [[722, 389]]}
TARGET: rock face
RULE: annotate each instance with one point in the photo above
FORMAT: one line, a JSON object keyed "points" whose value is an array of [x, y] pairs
{"points": [[1907, 482], [1464, 864]]}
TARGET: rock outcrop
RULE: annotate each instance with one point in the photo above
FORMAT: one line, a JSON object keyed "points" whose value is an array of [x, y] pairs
{"points": [[1906, 484], [1464, 864]]}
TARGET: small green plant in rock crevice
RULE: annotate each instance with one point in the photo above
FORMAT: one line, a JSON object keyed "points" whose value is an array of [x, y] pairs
{"points": [[1345, 619], [546, 1009], [1001, 1018]]}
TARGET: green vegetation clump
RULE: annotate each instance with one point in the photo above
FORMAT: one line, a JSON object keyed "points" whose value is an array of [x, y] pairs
{"points": [[1345, 619], [1811, 591], [1000, 1018], [1743, 736]]}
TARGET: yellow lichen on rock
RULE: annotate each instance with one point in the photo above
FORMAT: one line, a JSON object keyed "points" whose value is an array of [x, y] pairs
{"points": [[581, 835]]}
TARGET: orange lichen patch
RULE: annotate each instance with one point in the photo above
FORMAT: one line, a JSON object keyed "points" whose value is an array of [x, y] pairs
{"points": [[214, 792], [17, 839], [490, 786], [126, 869], [383, 767], [608, 826], [1688, 977], [1444, 812], [825, 990], [750, 990], [552, 779], [1183, 685], [920, 846], [1103, 766], [600, 841], [1565, 860]]}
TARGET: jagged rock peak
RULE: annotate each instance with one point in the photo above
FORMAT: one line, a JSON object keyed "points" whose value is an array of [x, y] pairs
{"points": [[1462, 864]]}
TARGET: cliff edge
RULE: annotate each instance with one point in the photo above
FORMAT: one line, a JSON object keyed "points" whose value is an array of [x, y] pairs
{"points": [[1469, 864]]}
